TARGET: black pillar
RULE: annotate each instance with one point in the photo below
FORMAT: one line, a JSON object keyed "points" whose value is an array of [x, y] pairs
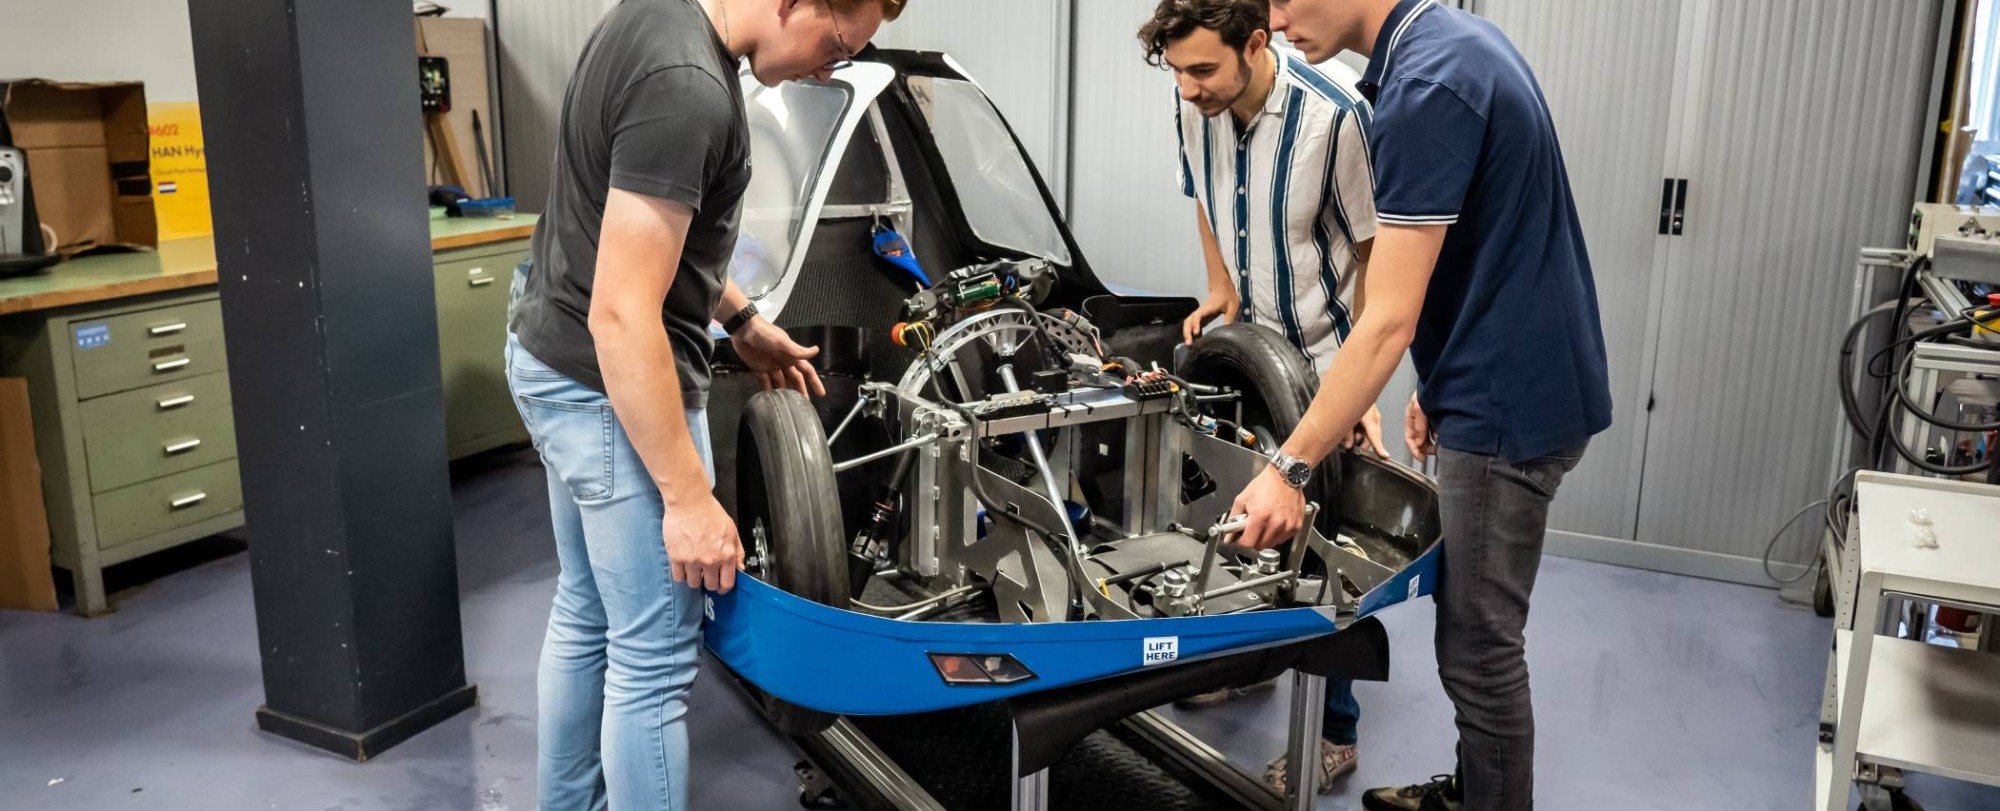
{"points": [[315, 162]]}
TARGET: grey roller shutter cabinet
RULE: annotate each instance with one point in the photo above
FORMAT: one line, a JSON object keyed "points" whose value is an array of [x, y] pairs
{"points": [[539, 42], [1798, 126]]}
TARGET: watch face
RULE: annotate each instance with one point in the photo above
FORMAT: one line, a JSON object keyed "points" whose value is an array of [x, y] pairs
{"points": [[1298, 473]]}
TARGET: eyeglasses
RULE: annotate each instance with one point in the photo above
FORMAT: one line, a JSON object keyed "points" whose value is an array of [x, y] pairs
{"points": [[846, 57]]}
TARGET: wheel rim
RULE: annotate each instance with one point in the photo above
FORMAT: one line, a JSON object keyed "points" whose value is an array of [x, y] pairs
{"points": [[760, 548]]}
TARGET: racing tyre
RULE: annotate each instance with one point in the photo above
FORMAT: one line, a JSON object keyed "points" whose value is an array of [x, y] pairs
{"points": [[788, 515], [1277, 386]]}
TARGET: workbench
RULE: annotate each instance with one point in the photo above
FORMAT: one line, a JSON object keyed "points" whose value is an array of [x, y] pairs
{"points": [[1900, 703], [129, 388]]}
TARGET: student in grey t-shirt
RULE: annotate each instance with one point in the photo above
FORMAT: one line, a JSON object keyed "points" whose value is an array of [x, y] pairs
{"points": [[609, 364]]}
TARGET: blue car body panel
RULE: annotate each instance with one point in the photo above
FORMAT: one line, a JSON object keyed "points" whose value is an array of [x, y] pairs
{"points": [[857, 664]]}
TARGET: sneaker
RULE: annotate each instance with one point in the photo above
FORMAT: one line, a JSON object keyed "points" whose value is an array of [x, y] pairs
{"points": [[1335, 761], [1214, 697], [1442, 793]]}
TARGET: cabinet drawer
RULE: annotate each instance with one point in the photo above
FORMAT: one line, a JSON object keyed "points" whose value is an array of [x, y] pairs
{"points": [[167, 443], [472, 340], [135, 512], [135, 350], [119, 413]]}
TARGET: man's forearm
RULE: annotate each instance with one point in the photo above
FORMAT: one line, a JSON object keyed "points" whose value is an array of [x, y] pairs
{"points": [[1211, 255], [1356, 378], [645, 390], [732, 302]]}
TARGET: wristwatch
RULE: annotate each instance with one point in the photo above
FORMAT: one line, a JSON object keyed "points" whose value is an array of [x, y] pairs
{"points": [[1295, 471], [740, 319]]}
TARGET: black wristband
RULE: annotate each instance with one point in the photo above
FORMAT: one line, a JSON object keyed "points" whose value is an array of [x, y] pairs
{"points": [[740, 319]]}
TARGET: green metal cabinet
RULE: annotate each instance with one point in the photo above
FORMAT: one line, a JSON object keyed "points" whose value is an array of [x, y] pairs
{"points": [[133, 420], [472, 288], [132, 426]]}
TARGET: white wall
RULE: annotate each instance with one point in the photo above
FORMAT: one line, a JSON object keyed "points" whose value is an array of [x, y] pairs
{"points": [[116, 40], [101, 40], [1016, 50]]}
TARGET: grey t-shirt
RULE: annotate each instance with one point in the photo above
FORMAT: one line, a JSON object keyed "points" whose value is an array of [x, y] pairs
{"points": [[654, 108]]}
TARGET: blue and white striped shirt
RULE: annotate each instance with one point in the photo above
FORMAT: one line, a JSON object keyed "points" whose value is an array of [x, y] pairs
{"points": [[1289, 197]]}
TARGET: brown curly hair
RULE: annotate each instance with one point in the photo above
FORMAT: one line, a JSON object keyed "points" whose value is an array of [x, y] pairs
{"points": [[1173, 20]]}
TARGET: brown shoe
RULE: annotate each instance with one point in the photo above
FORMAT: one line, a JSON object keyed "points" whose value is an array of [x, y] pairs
{"points": [[1226, 694], [1442, 793], [1335, 761]]}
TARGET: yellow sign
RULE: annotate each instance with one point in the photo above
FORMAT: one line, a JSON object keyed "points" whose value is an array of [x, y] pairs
{"points": [[180, 170]]}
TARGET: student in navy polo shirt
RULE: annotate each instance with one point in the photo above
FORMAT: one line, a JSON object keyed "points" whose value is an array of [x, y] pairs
{"points": [[1479, 270]]}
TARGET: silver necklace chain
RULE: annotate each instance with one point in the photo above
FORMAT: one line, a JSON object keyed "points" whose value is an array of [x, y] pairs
{"points": [[723, 6]]}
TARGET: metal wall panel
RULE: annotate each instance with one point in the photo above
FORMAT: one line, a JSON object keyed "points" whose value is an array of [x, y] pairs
{"points": [[539, 42], [1126, 205], [1018, 51], [1607, 69], [1801, 148]]}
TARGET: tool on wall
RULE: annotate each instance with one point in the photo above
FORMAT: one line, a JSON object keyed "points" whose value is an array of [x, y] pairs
{"points": [[434, 74], [485, 163]]}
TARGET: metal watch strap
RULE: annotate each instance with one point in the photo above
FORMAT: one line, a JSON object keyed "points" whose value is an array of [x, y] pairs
{"points": [[740, 319], [1292, 469]]}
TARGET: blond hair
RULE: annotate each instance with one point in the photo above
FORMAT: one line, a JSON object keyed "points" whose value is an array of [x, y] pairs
{"points": [[891, 9]]}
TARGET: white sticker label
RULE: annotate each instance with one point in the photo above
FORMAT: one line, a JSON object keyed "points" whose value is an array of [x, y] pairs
{"points": [[1414, 582], [1161, 650]]}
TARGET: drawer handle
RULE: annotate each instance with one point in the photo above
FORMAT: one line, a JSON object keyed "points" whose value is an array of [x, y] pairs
{"points": [[172, 403], [187, 501], [480, 281], [183, 446], [167, 329], [170, 365]]}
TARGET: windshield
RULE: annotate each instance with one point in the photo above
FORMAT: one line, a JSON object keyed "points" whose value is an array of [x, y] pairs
{"points": [[792, 127], [1002, 202]]}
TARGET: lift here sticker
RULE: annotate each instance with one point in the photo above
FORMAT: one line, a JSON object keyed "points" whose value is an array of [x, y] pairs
{"points": [[1161, 650]]}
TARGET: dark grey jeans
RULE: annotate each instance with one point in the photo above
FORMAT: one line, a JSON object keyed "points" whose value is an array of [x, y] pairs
{"points": [[1494, 514]]}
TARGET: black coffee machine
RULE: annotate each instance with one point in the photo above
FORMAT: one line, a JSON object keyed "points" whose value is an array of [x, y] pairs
{"points": [[22, 249]]}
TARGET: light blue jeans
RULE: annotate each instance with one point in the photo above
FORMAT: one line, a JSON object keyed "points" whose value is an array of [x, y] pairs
{"points": [[624, 639]]}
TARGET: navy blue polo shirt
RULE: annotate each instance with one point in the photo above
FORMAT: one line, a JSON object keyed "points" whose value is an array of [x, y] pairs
{"points": [[1509, 346]]}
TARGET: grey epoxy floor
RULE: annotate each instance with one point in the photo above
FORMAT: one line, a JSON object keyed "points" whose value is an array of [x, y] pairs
{"points": [[1654, 692]]}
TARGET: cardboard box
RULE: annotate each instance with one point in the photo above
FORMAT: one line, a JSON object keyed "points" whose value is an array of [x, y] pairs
{"points": [[88, 159], [24, 521]]}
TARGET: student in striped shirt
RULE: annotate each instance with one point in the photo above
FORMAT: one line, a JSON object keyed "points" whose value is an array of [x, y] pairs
{"points": [[1274, 152]]}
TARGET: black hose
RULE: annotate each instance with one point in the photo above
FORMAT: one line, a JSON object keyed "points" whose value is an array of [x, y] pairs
{"points": [[1878, 449], [1916, 460], [1917, 410], [1851, 402]]}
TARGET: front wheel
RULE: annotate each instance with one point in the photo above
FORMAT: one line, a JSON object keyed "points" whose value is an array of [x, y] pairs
{"points": [[788, 515], [1276, 385]]}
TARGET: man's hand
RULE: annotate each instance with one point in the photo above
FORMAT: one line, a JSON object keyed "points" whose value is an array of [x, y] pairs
{"points": [[1368, 434], [1224, 304], [1276, 511], [781, 362], [1417, 432], [702, 545]]}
